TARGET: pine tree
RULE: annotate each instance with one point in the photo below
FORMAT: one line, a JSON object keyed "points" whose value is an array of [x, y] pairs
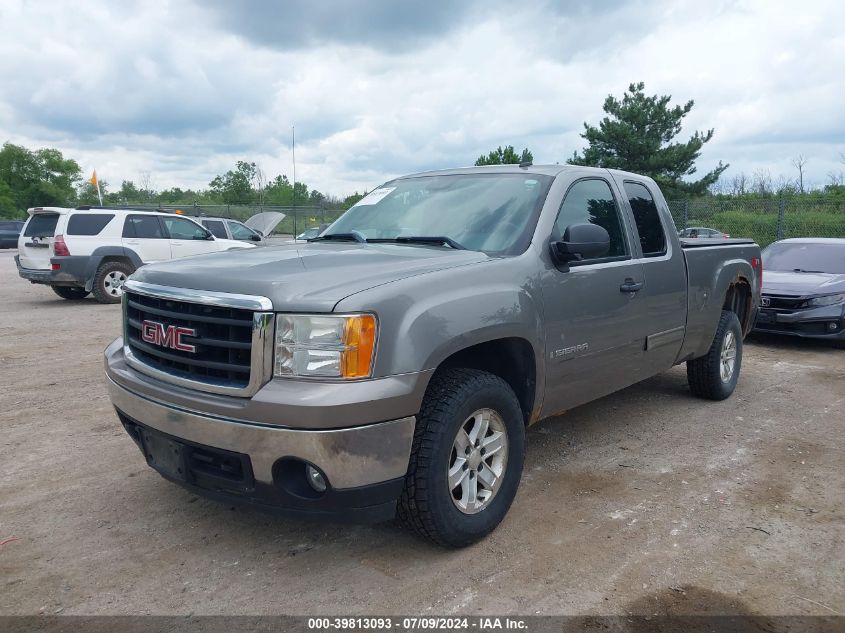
{"points": [[637, 135]]}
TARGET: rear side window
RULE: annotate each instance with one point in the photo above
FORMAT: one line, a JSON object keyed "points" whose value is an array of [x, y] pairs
{"points": [[647, 219], [42, 225], [88, 224], [591, 202], [143, 226], [216, 227]]}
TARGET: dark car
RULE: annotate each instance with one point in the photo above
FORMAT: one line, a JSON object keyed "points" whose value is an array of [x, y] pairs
{"points": [[10, 230], [804, 288], [693, 232]]}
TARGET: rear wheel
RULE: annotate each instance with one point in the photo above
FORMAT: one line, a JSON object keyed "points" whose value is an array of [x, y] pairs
{"points": [[466, 458], [109, 280], [714, 375], [70, 292]]}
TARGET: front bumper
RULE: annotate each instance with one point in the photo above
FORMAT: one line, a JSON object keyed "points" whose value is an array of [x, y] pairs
{"points": [[364, 465], [71, 271], [827, 322]]}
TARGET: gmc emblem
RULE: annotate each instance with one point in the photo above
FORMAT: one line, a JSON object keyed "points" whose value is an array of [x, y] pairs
{"points": [[156, 333]]}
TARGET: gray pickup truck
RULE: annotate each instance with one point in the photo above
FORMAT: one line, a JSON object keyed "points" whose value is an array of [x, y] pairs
{"points": [[390, 366]]}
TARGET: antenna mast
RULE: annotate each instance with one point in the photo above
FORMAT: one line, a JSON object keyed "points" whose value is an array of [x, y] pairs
{"points": [[293, 151]]}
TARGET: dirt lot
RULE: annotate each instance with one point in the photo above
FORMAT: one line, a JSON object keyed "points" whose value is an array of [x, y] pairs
{"points": [[646, 501]]}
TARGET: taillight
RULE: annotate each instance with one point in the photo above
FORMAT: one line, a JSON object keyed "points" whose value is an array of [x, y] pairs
{"points": [[59, 247], [757, 265]]}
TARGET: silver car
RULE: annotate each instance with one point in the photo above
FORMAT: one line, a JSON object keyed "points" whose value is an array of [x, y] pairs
{"points": [[255, 229]]}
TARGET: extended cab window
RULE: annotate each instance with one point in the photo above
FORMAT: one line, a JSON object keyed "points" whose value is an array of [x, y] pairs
{"points": [[216, 227], [88, 224], [591, 202], [143, 226], [647, 219], [182, 229]]}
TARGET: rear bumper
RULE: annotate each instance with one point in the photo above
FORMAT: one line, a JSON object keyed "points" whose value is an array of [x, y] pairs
{"points": [[71, 271], [826, 322], [364, 466]]}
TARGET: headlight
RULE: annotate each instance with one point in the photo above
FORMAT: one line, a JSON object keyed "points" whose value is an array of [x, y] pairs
{"points": [[828, 300], [326, 346]]}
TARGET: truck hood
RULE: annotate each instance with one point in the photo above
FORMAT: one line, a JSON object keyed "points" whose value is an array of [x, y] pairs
{"points": [[309, 277], [792, 283]]}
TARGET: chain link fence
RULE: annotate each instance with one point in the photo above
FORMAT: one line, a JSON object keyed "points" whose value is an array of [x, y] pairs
{"points": [[764, 219]]}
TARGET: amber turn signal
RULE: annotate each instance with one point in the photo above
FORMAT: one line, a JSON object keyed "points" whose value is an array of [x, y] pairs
{"points": [[359, 340]]}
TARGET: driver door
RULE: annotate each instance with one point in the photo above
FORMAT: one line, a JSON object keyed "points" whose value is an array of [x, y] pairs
{"points": [[592, 314]]}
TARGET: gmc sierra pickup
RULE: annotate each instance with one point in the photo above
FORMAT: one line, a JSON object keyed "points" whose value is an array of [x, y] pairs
{"points": [[390, 366]]}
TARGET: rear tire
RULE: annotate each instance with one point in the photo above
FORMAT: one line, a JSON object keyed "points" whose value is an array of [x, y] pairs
{"points": [[714, 375], [109, 280], [466, 458], [71, 293]]}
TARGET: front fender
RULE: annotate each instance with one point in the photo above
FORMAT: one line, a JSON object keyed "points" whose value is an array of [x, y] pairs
{"points": [[425, 319]]}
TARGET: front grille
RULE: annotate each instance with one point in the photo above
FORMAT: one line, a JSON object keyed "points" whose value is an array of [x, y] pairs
{"points": [[784, 303], [223, 340]]}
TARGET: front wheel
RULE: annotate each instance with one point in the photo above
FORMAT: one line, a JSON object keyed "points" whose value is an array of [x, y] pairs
{"points": [[466, 458], [714, 375]]}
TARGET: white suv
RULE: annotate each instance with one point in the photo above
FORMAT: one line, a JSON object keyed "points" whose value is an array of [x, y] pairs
{"points": [[94, 250]]}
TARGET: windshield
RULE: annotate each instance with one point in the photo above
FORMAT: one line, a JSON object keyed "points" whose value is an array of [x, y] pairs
{"points": [[805, 256], [492, 213]]}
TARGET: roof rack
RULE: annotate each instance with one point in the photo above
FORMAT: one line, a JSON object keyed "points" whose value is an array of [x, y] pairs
{"points": [[87, 207]]}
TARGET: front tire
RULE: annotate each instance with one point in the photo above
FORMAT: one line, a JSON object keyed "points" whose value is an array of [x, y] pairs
{"points": [[72, 293], [109, 280], [714, 375], [466, 458]]}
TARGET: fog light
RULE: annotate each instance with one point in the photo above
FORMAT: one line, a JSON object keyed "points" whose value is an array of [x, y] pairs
{"points": [[315, 478], [832, 326]]}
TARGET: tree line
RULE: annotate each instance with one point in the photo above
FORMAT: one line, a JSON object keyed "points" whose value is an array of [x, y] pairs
{"points": [[44, 177]]}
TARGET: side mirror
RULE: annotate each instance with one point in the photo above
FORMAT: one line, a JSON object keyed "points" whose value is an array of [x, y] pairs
{"points": [[581, 241], [255, 237]]}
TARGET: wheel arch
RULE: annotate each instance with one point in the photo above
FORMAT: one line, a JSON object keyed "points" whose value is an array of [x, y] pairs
{"points": [[512, 358], [108, 254]]}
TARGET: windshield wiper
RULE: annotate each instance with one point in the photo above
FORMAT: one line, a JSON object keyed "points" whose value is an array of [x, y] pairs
{"points": [[423, 239], [354, 236]]}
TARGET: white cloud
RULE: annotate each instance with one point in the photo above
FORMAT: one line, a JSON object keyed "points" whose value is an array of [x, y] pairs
{"points": [[179, 91]]}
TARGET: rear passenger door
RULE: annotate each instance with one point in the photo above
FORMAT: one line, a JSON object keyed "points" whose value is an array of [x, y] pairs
{"points": [[144, 234], [593, 324], [665, 292]]}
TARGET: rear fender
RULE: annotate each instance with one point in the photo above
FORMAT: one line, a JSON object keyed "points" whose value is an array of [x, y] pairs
{"points": [[103, 252]]}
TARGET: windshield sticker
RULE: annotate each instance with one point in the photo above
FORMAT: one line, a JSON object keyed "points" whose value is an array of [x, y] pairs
{"points": [[375, 196]]}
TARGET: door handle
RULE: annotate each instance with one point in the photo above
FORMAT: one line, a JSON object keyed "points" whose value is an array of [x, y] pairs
{"points": [[631, 286]]}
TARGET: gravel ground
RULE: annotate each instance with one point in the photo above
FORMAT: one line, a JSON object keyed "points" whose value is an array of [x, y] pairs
{"points": [[647, 501]]}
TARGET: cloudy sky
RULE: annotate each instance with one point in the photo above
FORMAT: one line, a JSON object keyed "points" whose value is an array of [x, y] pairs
{"points": [[377, 88]]}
